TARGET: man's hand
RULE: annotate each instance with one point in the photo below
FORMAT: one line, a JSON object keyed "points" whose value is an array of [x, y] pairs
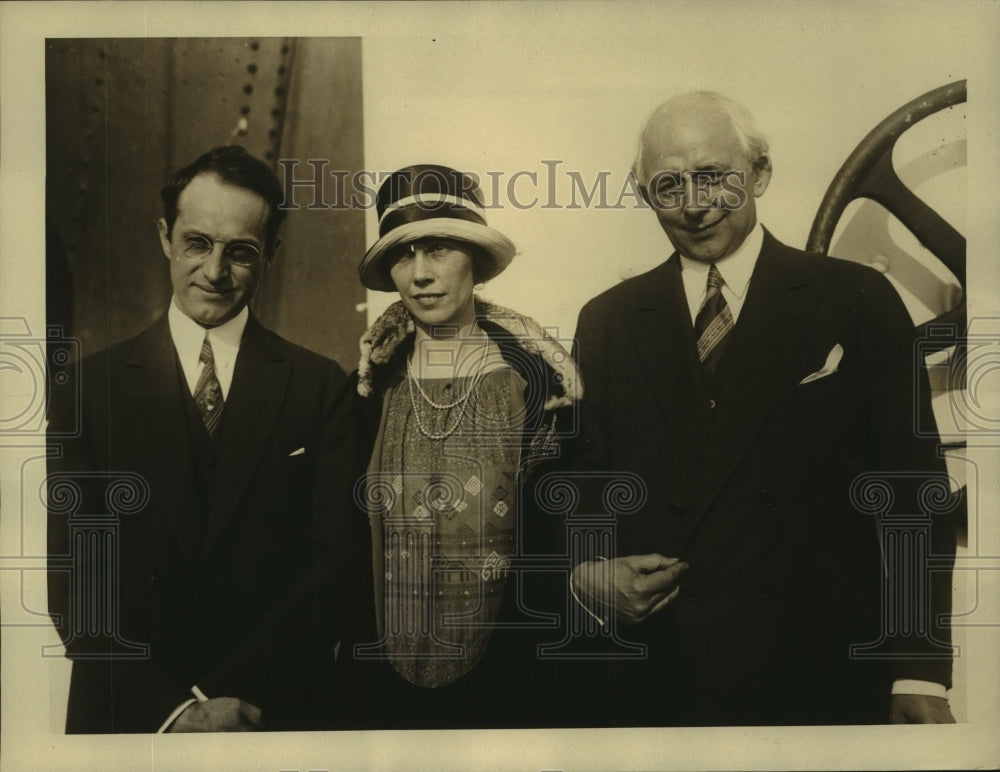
{"points": [[636, 586], [919, 709], [221, 714]]}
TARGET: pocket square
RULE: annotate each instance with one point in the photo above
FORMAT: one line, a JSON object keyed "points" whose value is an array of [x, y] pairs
{"points": [[299, 452], [829, 367]]}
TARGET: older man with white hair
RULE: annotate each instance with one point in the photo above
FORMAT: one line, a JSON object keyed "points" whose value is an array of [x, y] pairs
{"points": [[759, 392]]}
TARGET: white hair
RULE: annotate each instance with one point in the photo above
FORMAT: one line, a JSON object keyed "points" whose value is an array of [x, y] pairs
{"points": [[753, 143]]}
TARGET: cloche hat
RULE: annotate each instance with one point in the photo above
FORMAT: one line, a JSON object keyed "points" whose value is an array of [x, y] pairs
{"points": [[428, 201]]}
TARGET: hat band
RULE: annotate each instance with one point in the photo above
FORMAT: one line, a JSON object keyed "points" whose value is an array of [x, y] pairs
{"points": [[429, 199], [455, 209]]}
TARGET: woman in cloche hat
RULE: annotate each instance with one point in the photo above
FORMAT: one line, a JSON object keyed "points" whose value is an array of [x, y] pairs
{"points": [[459, 400]]}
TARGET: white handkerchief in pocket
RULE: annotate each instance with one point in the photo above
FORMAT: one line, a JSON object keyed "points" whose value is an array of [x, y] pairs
{"points": [[299, 452], [829, 367]]}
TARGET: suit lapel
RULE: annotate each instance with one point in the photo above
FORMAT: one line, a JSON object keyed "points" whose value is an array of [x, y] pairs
{"points": [[668, 355], [762, 353], [260, 379], [153, 404]]}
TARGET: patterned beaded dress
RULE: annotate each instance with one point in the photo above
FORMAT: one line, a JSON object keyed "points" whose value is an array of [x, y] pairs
{"points": [[443, 519], [440, 640]]}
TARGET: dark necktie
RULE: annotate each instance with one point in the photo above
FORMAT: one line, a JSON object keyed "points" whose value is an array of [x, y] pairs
{"points": [[208, 392], [713, 323]]}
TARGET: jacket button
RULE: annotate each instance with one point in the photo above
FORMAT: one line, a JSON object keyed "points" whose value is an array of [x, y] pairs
{"points": [[711, 404], [676, 510], [766, 498]]}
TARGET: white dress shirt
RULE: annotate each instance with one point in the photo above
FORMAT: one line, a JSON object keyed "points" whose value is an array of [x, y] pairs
{"points": [[735, 269], [188, 335]]}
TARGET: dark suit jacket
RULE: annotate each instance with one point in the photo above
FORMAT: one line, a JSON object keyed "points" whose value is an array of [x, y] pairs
{"points": [[755, 493], [228, 590]]}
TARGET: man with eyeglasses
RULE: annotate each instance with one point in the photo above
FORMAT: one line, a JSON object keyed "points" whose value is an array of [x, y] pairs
{"points": [[764, 396], [220, 609]]}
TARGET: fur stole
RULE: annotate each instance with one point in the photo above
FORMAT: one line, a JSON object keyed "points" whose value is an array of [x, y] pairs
{"points": [[394, 327]]}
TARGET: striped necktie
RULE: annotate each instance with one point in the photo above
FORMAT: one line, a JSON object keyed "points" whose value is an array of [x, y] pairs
{"points": [[208, 392], [713, 323]]}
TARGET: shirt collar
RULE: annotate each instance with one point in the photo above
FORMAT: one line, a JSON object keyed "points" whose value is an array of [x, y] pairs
{"points": [[735, 268], [188, 335]]}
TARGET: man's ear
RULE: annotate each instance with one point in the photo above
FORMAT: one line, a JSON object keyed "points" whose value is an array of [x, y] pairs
{"points": [[273, 251], [761, 175], [161, 226], [643, 191]]}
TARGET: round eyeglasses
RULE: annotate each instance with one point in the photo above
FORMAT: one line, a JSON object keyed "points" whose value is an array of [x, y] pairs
{"points": [[236, 252]]}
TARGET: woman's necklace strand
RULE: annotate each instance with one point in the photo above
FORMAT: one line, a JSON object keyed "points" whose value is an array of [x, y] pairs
{"points": [[463, 400], [465, 396]]}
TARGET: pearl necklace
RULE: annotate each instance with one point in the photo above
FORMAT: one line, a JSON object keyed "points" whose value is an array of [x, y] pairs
{"points": [[463, 400]]}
